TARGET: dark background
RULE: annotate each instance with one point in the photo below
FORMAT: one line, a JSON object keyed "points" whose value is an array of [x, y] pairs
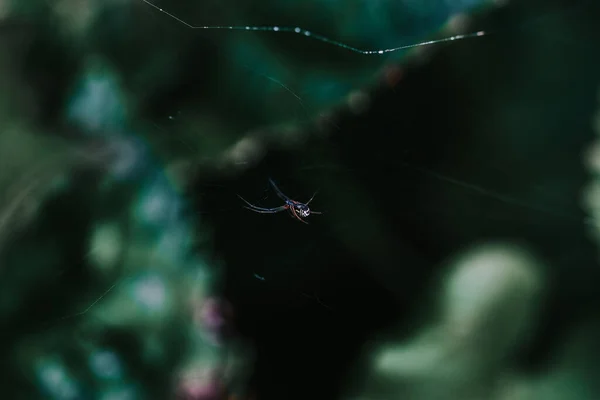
{"points": [[501, 117], [479, 140]]}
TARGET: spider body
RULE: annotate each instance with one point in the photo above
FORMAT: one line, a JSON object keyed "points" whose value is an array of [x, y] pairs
{"points": [[296, 209]]}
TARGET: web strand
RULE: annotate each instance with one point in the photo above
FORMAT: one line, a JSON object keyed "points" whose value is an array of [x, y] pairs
{"points": [[315, 36]]}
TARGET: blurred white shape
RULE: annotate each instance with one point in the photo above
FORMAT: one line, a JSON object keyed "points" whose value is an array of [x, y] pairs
{"points": [[129, 156], [591, 197], [359, 101], [97, 104], [56, 381], [495, 286], [159, 205], [106, 245], [488, 305], [457, 24], [200, 384], [246, 151], [154, 205], [98, 107], [410, 361], [174, 244], [150, 292], [105, 364]]}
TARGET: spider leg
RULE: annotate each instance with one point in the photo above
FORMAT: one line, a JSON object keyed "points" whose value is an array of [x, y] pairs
{"points": [[279, 192], [308, 202], [262, 210], [311, 199], [267, 211]]}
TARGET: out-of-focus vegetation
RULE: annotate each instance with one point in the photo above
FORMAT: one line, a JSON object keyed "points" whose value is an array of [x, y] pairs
{"points": [[456, 256]]}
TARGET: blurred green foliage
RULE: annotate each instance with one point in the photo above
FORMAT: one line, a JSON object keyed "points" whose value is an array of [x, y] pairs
{"points": [[131, 271]]}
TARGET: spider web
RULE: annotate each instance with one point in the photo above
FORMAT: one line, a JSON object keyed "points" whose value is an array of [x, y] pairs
{"points": [[306, 72], [266, 70], [275, 82], [293, 73], [356, 79]]}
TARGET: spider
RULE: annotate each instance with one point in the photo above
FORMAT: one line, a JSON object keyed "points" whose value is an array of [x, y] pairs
{"points": [[296, 209]]}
